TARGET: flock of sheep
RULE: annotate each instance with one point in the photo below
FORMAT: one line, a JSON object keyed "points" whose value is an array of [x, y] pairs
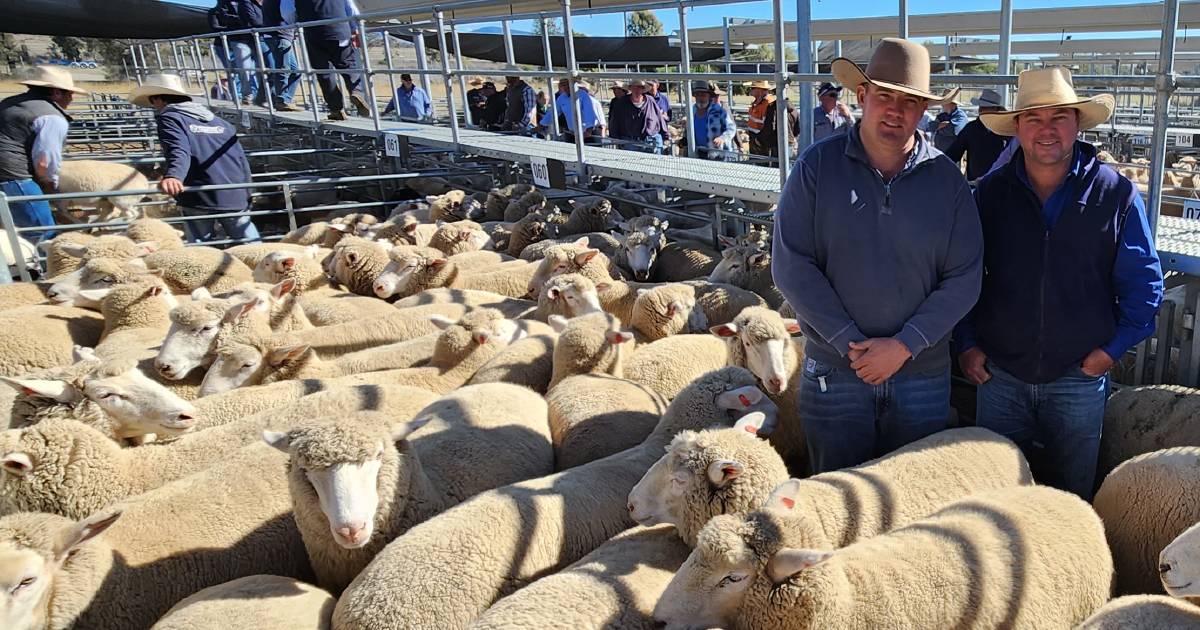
{"points": [[494, 410]]}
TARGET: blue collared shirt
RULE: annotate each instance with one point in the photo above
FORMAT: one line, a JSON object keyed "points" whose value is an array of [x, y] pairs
{"points": [[589, 109], [414, 104]]}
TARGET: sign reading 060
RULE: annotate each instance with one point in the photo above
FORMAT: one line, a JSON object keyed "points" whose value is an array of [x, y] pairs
{"points": [[547, 173]]}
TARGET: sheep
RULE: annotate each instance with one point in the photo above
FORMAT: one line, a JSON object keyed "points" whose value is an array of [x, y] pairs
{"points": [[1177, 566], [606, 243], [58, 261], [1146, 502], [46, 336], [499, 198], [568, 295], [748, 267], [108, 246], [707, 473], [77, 176], [759, 340], [575, 257], [230, 521], [155, 231], [460, 237], [405, 260], [429, 185], [1143, 612], [528, 362], [638, 251], [589, 344], [470, 298], [18, 294], [596, 216], [252, 253], [1139, 420], [95, 273], [355, 263], [688, 307], [534, 227], [994, 559], [403, 230], [637, 196], [358, 483], [322, 233], [618, 584], [186, 270], [418, 269], [519, 207], [264, 602], [278, 265], [669, 364], [191, 339], [446, 206], [595, 415], [500, 540]]}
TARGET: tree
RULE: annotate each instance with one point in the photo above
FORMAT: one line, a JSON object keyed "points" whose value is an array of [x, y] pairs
{"points": [[10, 52], [554, 26], [643, 24], [69, 47], [764, 53], [982, 68]]}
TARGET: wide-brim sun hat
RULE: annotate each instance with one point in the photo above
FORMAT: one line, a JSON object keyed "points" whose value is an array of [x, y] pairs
{"points": [[707, 86], [636, 83], [53, 77], [157, 85], [1050, 88], [761, 84], [475, 81], [897, 64]]}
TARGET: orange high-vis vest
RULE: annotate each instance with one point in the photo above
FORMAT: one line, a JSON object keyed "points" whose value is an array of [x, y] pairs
{"points": [[757, 114]]}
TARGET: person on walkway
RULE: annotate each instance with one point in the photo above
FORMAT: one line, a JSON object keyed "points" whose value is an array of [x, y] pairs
{"points": [[476, 100], [947, 125], [245, 52], [543, 104], [660, 97], [636, 118], [592, 116], [714, 125], [768, 138], [520, 105], [226, 16], [281, 53], [332, 46], [760, 91], [411, 102], [220, 90], [831, 116], [1072, 282], [199, 149], [981, 146], [33, 130], [496, 105], [877, 246], [619, 91]]}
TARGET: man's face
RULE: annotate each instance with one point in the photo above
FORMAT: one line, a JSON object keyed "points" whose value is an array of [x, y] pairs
{"points": [[564, 86], [62, 98], [758, 93], [702, 98], [637, 92], [653, 88], [828, 100], [950, 107], [889, 117], [512, 80], [1047, 136], [407, 83]]}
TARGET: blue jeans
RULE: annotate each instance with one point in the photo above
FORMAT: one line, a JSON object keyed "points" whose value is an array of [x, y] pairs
{"points": [[847, 422], [244, 62], [1056, 424], [281, 55], [240, 229], [29, 213]]}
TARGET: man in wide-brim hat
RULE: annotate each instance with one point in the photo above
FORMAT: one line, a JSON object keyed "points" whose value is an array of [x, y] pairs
{"points": [[877, 246], [981, 145], [33, 130], [714, 126], [1073, 282], [199, 149]]}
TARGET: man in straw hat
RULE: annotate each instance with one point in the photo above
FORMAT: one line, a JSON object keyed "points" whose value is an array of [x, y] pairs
{"points": [[831, 116], [520, 100], [1072, 282], [981, 146], [766, 140], [200, 149], [714, 125], [591, 115], [760, 91], [636, 118], [33, 130], [877, 246], [476, 100]]}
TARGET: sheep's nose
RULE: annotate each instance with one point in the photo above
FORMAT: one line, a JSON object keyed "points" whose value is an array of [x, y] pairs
{"points": [[166, 369], [776, 384], [1164, 568], [642, 275], [186, 417], [629, 506], [51, 294], [352, 532]]}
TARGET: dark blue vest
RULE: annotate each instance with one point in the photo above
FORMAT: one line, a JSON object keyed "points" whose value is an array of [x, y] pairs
{"points": [[1048, 297]]}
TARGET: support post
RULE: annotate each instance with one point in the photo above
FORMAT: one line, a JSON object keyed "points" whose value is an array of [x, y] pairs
{"points": [[200, 71], [387, 53], [781, 126], [1164, 88], [1005, 66], [368, 75], [903, 19], [728, 61], [805, 65], [264, 77], [685, 66], [462, 79], [509, 56], [441, 33], [306, 68], [422, 64], [551, 88], [573, 72], [13, 242]]}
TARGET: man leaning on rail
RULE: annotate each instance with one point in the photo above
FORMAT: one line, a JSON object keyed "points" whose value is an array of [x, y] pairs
{"points": [[878, 248], [33, 130], [1072, 283], [200, 149]]}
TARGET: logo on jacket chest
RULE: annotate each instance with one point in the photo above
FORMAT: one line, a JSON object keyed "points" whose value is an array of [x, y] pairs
{"points": [[206, 129]]}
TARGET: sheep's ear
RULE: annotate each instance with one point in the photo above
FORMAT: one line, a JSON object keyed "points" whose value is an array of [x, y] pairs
{"points": [[312, 251], [784, 497], [557, 322], [237, 311], [441, 321], [663, 226], [675, 308], [201, 294], [140, 263], [722, 471], [581, 242], [95, 295], [73, 249], [288, 263], [481, 336], [180, 233], [16, 463], [553, 293], [283, 288], [792, 326], [157, 273], [751, 423], [740, 398], [757, 258], [724, 330], [339, 227], [788, 562], [352, 257], [83, 353], [287, 353], [431, 198], [78, 533], [411, 227], [441, 224], [145, 248], [618, 337], [603, 286], [437, 262], [586, 255], [402, 430], [154, 291], [725, 241], [641, 292], [277, 439]]}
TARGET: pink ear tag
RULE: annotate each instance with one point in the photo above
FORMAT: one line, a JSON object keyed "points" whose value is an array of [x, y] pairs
{"points": [[787, 503], [750, 428], [745, 401]]}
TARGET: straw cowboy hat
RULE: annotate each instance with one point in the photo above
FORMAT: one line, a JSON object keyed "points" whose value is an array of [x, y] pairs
{"points": [[617, 85], [636, 83], [475, 81], [157, 85], [761, 83], [1049, 88], [896, 64], [52, 77]]}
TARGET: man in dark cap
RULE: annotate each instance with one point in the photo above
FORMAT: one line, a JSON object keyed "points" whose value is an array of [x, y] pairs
{"points": [[831, 116]]}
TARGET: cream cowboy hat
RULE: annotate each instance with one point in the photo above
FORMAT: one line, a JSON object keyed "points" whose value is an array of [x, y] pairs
{"points": [[1049, 88], [896, 64], [157, 85], [52, 77], [761, 83], [475, 81]]}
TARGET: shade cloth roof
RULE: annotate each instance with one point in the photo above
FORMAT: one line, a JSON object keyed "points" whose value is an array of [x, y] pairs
{"points": [[142, 19], [527, 49]]}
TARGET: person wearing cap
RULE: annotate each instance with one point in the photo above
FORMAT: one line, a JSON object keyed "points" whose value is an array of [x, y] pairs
{"points": [[199, 149], [877, 247], [831, 116], [636, 118], [760, 91], [592, 116], [476, 100], [33, 130], [619, 92], [981, 146], [713, 124], [494, 107], [520, 105], [332, 47], [1072, 282], [947, 125], [411, 102], [562, 102], [220, 90]]}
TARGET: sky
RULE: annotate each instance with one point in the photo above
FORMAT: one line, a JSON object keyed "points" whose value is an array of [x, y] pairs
{"points": [[611, 23]]}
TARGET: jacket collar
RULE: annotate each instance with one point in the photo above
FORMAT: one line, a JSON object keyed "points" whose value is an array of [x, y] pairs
{"points": [[922, 151], [1085, 167]]}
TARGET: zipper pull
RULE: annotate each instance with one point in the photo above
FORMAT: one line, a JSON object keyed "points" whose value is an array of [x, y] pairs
{"points": [[887, 197]]}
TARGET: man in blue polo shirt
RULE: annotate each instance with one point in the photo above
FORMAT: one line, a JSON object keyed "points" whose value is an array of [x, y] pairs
{"points": [[591, 114], [411, 101], [1072, 282]]}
